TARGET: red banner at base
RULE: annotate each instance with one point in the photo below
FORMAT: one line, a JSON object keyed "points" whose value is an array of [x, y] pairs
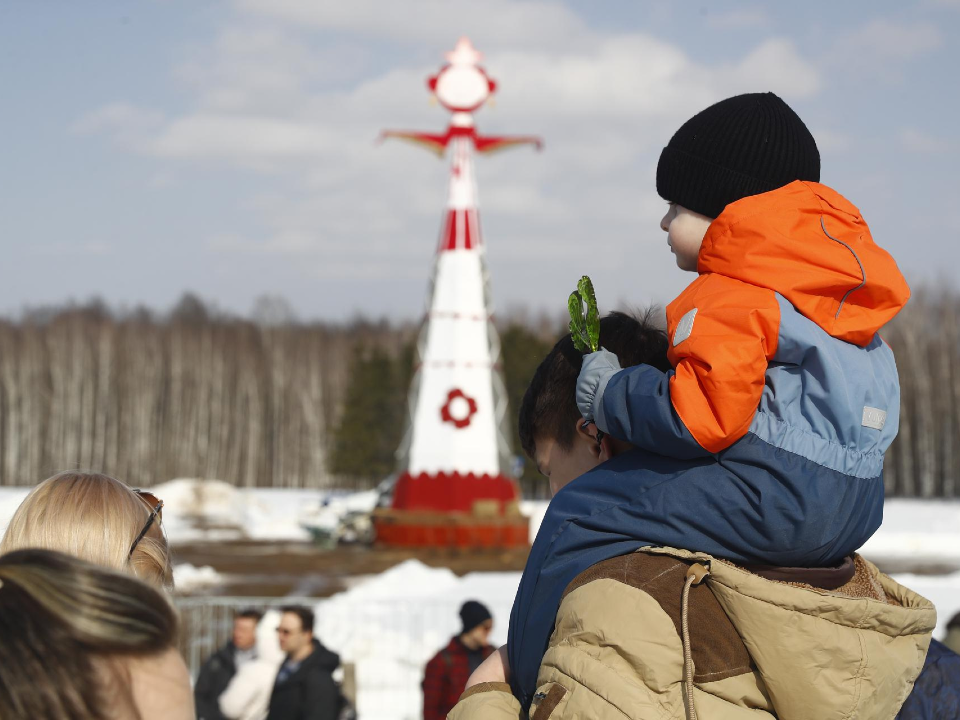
{"points": [[455, 492], [398, 528]]}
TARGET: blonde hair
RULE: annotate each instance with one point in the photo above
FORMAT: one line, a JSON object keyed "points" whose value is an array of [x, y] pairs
{"points": [[96, 518], [65, 625]]}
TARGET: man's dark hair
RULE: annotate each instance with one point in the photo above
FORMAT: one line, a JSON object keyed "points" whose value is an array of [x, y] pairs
{"points": [[304, 613], [549, 407], [249, 614]]}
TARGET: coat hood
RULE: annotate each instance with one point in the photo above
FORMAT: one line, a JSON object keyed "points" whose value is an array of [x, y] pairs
{"points": [[824, 654], [322, 657], [811, 245]]}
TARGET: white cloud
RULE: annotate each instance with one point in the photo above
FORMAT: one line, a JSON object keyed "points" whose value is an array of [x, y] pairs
{"points": [[273, 99], [895, 40], [490, 23], [831, 141], [162, 179], [249, 67], [917, 141], [117, 115], [128, 124], [91, 248], [881, 48], [776, 65], [237, 137], [741, 18]]}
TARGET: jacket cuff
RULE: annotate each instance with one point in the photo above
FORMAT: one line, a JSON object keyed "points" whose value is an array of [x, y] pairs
{"points": [[599, 417], [487, 701]]}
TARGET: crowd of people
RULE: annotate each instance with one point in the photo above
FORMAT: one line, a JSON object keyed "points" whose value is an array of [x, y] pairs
{"points": [[712, 484]]}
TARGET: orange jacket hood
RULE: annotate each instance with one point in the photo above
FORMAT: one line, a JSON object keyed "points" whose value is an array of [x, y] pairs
{"points": [[811, 245]]}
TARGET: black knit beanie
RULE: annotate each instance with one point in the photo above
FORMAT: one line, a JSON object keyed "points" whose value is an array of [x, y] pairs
{"points": [[472, 614], [744, 145]]}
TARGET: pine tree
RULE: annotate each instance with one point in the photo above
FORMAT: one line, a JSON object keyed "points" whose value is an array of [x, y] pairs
{"points": [[372, 420], [523, 350]]}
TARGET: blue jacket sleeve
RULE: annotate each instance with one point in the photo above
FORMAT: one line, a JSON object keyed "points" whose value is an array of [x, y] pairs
{"points": [[636, 408]]}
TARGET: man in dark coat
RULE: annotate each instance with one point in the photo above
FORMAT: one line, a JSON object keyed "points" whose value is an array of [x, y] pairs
{"points": [[305, 688], [220, 667], [447, 672]]}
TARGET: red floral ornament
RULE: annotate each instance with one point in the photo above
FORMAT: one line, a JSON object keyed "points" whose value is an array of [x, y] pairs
{"points": [[458, 422]]}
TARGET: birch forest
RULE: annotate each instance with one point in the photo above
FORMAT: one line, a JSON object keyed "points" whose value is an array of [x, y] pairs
{"points": [[200, 394]]}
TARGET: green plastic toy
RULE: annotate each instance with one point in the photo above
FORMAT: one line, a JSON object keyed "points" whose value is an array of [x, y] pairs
{"points": [[584, 326]]}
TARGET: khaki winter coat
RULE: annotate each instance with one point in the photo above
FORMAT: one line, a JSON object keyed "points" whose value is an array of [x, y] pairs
{"points": [[759, 648]]}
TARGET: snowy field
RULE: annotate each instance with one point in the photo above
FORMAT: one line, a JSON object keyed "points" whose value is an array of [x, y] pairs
{"points": [[390, 624]]}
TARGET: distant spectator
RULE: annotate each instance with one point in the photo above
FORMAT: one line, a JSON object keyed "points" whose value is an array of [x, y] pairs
{"points": [[220, 667], [81, 641], [247, 697], [96, 518], [447, 672], [304, 688], [952, 640]]}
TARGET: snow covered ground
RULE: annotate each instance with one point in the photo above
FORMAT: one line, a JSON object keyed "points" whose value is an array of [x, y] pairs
{"points": [[390, 626], [919, 531]]}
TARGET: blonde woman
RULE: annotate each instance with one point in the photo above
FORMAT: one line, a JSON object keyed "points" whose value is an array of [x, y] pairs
{"points": [[80, 642], [97, 518]]}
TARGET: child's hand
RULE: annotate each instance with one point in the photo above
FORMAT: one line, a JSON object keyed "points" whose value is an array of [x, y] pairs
{"points": [[495, 668], [595, 373]]}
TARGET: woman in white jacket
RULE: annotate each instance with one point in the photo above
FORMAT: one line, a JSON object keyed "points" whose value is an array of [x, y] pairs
{"points": [[247, 697]]}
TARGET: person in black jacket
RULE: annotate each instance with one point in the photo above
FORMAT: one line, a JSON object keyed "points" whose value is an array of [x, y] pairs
{"points": [[305, 688], [220, 667]]}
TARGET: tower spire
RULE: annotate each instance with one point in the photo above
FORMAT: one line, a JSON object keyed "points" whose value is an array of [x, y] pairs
{"points": [[454, 484]]}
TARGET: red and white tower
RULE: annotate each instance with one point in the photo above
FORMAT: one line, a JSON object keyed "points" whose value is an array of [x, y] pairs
{"points": [[454, 486]]}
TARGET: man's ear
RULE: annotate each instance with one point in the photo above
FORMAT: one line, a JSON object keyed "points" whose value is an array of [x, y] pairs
{"points": [[587, 432], [607, 449]]}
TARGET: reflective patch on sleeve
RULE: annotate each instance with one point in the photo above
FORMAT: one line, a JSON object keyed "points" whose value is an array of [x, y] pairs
{"points": [[873, 417], [684, 327]]}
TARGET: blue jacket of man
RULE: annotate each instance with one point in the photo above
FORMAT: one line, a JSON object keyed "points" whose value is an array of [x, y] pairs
{"points": [[730, 505]]}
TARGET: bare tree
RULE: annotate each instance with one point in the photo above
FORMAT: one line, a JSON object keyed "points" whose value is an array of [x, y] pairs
{"points": [[201, 394]]}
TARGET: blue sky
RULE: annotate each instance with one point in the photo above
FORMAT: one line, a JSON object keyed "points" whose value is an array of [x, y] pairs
{"points": [[227, 148]]}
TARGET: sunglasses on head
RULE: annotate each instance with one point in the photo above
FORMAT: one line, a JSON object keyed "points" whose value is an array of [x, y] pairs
{"points": [[156, 513]]}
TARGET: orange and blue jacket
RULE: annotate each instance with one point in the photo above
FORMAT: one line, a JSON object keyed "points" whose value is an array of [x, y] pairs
{"points": [[777, 339], [765, 442]]}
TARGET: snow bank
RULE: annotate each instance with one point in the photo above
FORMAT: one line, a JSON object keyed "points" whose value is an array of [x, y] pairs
{"points": [[535, 510], [211, 510], [942, 590], [188, 578], [919, 531], [10, 499], [392, 624]]}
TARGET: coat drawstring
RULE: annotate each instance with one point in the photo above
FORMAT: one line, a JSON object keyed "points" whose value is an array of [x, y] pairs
{"points": [[695, 575]]}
